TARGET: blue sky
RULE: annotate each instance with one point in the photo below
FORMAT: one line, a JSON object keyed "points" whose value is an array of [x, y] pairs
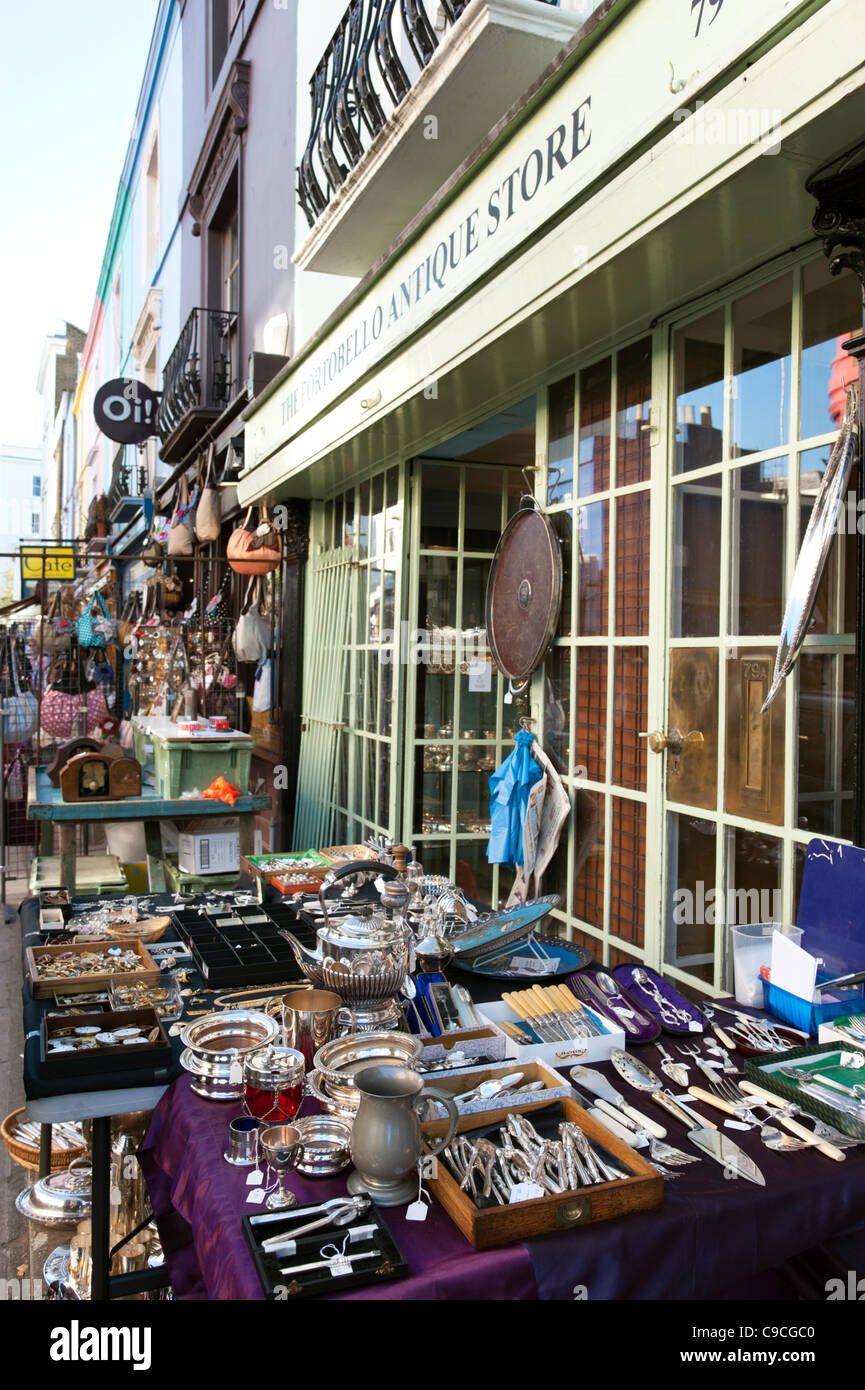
{"points": [[69, 80]]}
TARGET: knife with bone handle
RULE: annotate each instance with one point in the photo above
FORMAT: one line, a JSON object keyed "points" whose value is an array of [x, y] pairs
{"points": [[597, 1083], [801, 1131]]}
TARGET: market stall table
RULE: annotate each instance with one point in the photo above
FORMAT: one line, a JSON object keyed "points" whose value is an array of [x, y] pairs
{"points": [[712, 1238], [45, 803]]}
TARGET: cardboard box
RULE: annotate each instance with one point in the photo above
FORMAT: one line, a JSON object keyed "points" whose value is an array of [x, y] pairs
{"points": [[567, 1053], [205, 849]]}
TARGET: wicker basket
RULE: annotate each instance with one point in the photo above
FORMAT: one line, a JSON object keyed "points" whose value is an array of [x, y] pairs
{"points": [[28, 1154]]}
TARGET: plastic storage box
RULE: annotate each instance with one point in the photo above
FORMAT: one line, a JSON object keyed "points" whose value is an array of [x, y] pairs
{"points": [[180, 767]]}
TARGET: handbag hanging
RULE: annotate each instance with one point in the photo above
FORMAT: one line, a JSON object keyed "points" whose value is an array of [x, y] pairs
{"points": [[254, 550], [208, 517], [251, 637], [172, 587], [216, 613], [129, 616], [93, 626], [22, 709], [180, 531]]}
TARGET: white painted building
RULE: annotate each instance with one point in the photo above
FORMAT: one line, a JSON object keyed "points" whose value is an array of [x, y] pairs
{"points": [[20, 511]]}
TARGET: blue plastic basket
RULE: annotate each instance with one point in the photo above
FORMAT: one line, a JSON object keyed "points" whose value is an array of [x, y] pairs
{"points": [[801, 1013]]}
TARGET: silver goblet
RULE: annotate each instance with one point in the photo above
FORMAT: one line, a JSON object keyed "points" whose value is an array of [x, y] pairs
{"points": [[283, 1150]]}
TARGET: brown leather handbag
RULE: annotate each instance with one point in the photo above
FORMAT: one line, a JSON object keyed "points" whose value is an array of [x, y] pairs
{"points": [[254, 549]]}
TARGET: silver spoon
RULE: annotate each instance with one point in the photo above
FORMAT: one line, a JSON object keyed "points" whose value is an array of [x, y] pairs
{"points": [[677, 1071], [487, 1089]]}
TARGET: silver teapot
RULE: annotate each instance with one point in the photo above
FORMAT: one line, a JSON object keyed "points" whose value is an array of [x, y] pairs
{"points": [[363, 956]]}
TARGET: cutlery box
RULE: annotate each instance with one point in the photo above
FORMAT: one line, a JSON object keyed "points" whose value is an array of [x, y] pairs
{"points": [[315, 1283], [763, 1071], [457, 1083], [45, 986], [559, 1054], [474, 1042], [489, 1227]]}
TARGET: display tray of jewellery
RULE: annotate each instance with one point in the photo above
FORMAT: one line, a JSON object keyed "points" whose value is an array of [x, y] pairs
{"points": [[81, 967], [537, 1169], [325, 1248], [121, 1040]]}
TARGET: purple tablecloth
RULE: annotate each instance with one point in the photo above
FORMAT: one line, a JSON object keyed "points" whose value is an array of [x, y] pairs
{"points": [[187, 1175], [713, 1238]]}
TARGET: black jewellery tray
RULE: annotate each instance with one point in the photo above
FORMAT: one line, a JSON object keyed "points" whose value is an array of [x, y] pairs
{"points": [[248, 951], [390, 1265]]}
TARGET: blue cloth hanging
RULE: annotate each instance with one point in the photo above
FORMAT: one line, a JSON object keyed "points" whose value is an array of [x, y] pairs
{"points": [[510, 785]]}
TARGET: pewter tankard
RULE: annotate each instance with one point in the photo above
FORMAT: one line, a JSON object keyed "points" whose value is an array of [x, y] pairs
{"points": [[386, 1139]]}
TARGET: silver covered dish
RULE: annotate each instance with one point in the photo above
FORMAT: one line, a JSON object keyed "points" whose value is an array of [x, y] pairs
{"points": [[326, 1143], [60, 1199]]}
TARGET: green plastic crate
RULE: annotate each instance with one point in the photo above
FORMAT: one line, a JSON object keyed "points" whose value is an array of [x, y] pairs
{"points": [[180, 881], [183, 767]]}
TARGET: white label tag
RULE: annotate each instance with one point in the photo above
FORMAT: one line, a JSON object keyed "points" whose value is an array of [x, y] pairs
{"points": [[362, 1233], [255, 1178], [694, 1026], [339, 1266], [625, 1013], [235, 1073], [114, 1196], [735, 1124], [480, 676], [255, 1196], [379, 884], [509, 699], [525, 1192], [530, 965], [416, 1212], [713, 1062]]}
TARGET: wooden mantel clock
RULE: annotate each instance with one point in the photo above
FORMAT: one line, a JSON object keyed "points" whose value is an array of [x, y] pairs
{"points": [[91, 776]]}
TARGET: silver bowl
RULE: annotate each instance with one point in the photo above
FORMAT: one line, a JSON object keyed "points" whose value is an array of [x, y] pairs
{"points": [[326, 1143], [220, 1038], [338, 1061], [209, 1080], [329, 1106]]}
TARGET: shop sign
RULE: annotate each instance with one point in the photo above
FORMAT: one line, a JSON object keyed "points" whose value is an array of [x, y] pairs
{"points": [[44, 562], [634, 82], [125, 410]]}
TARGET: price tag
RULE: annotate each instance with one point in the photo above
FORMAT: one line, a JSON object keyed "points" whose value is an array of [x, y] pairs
{"points": [[525, 1191], [713, 1062], [379, 884], [235, 1073], [531, 965], [255, 1197], [509, 699], [114, 1196], [694, 1026], [339, 1266], [625, 1013], [416, 1211], [735, 1124], [255, 1178]]}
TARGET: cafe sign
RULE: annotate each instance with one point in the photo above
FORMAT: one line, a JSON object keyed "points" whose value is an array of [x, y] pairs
{"points": [[46, 562]]}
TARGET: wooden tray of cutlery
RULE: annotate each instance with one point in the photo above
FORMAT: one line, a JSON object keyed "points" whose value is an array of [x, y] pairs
{"points": [[488, 1227]]}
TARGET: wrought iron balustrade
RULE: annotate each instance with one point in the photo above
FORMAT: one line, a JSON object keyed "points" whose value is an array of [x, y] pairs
{"points": [[200, 373], [361, 80]]}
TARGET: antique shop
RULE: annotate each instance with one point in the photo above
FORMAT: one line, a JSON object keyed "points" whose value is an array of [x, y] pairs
{"points": [[478, 735], [647, 341]]}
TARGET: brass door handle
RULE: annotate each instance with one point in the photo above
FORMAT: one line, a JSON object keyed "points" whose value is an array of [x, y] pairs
{"points": [[659, 741], [673, 742]]}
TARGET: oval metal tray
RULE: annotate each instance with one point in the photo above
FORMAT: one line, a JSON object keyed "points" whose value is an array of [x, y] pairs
{"points": [[570, 956]]}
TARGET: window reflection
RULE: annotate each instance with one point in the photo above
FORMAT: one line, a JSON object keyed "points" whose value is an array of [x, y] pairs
{"points": [[831, 313], [761, 365], [699, 367]]}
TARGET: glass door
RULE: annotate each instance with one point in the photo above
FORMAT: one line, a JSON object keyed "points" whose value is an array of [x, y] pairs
{"points": [[756, 400]]}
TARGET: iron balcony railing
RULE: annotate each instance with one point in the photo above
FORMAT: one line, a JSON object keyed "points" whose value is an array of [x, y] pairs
{"points": [[360, 81], [200, 371]]}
